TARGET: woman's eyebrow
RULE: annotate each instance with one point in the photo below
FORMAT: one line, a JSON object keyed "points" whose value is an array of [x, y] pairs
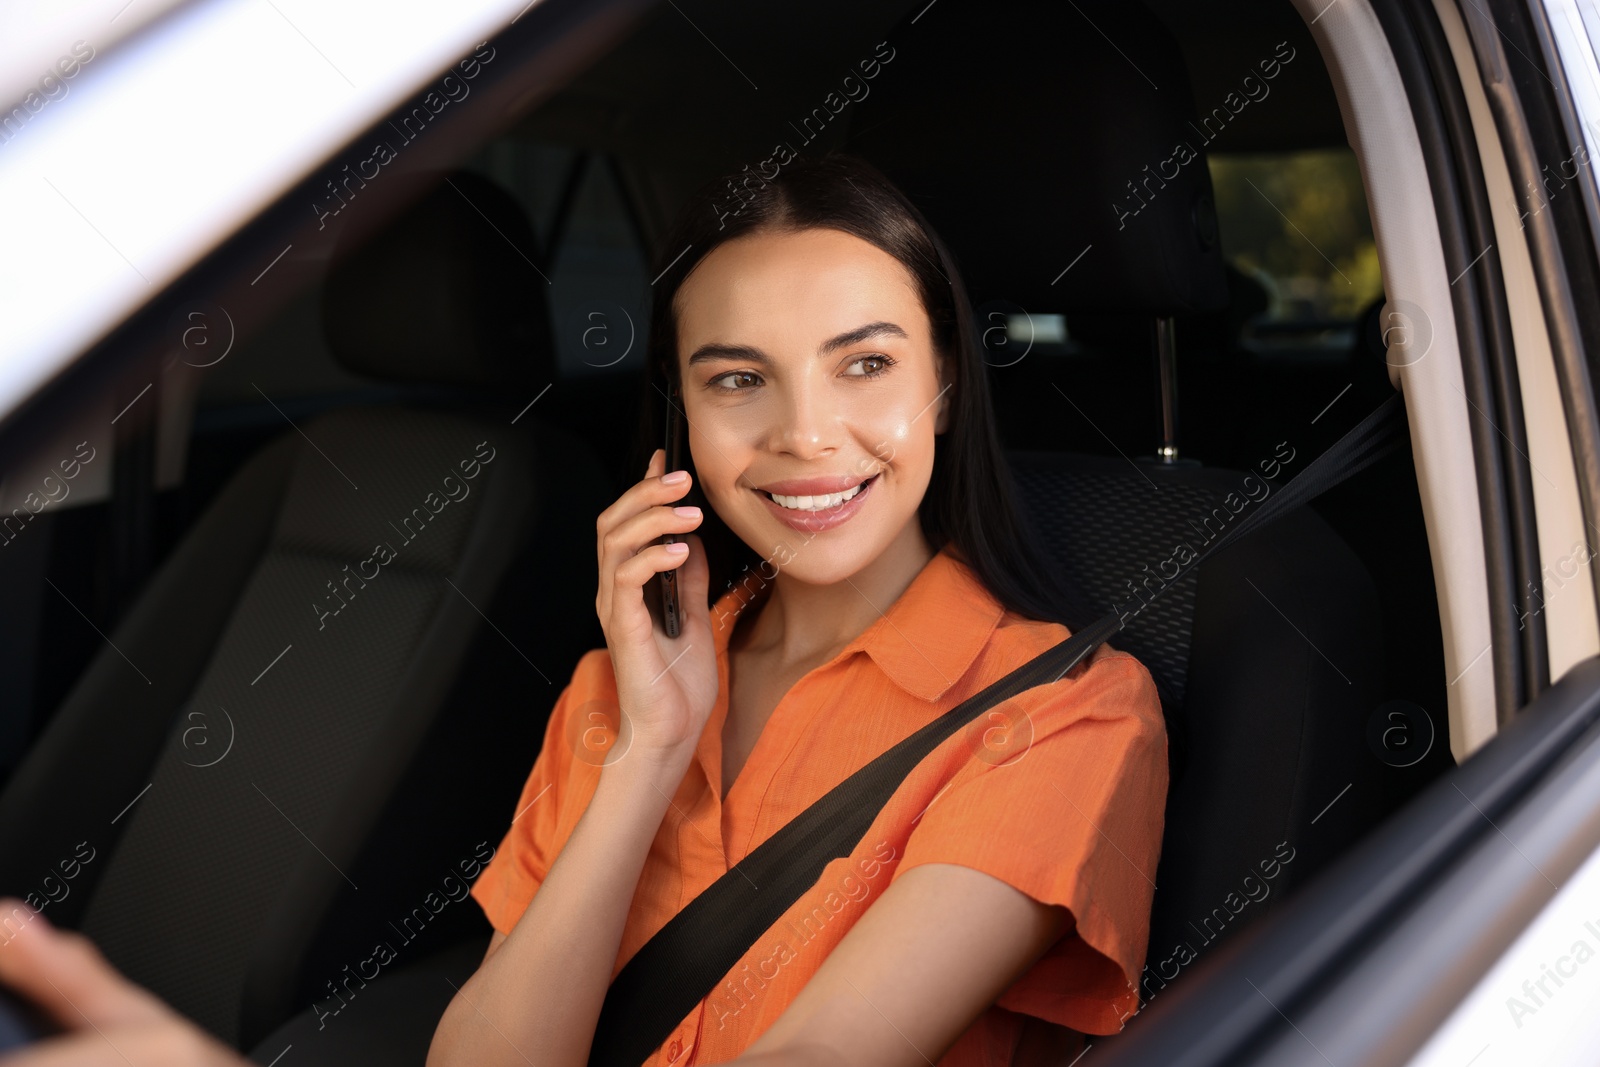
{"points": [[751, 354], [742, 353], [859, 334]]}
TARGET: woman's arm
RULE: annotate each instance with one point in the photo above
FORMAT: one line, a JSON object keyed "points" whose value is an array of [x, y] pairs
{"points": [[930, 955], [536, 998], [1077, 822]]}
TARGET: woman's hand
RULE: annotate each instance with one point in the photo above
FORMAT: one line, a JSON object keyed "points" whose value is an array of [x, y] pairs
{"points": [[665, 686], [109, 1021]]}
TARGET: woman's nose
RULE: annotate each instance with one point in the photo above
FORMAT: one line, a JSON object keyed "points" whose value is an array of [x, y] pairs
{"points": [[808, 421]]}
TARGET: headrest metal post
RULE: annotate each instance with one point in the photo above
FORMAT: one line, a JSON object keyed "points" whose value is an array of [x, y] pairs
{"points": [[1167, 366]]}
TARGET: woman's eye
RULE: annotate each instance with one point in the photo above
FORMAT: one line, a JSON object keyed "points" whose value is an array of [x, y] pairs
{"points": [[739, 375], [883, 364]]}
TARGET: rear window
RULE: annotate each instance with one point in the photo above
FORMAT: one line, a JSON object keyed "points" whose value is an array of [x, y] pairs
{"points": [[1296, 223]]}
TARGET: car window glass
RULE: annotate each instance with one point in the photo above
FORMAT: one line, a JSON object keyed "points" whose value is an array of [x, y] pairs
{"points": [[1297, 224]]}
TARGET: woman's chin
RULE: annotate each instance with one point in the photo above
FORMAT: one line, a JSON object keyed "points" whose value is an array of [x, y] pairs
{"points": [[820, 558]]}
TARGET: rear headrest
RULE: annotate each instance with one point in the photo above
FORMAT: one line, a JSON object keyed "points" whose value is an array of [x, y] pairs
{"points": [[447, 294], [1031, 130]]}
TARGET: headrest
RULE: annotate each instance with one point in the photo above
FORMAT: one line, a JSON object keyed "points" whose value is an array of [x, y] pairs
{"points": [[1053, 147], [446, 294]]}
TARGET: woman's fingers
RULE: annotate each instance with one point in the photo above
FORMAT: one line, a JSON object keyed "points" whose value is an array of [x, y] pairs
{"points": [[66, 976], [173, 1042], [643, 494], [694, 580], [108, 1019], [627, 529], [636, 534], [629, 619], [638, 569], [608, 519], [620, 508]]}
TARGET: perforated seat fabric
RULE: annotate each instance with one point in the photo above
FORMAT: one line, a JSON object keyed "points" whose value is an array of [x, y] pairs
{"points": [[389, 1025], [1269, 664], [1109, 536]]}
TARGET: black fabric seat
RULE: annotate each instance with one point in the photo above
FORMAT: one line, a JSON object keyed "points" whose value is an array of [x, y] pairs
{"points": [[243, 790], [1268, 662], [1047, 179], [392, 1025]]}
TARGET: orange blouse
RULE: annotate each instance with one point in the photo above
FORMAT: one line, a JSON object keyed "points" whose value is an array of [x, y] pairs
{"points": [[1058, 792]]}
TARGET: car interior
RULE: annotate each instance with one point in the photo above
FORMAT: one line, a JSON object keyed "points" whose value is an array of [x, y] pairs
{"points": [[276, 741]]}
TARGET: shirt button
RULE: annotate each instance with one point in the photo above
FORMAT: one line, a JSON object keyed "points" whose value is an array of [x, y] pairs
{"points": [[675, 1049]]}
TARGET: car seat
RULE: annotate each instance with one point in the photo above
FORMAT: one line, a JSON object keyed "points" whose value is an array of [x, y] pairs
{"points": [[308, 637]]}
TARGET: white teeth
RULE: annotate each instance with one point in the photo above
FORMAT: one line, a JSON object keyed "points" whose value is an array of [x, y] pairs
{"points": [[816, 503]]}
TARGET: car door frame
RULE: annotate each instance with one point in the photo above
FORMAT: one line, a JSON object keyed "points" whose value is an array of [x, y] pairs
{"points": [[1366, 962]]}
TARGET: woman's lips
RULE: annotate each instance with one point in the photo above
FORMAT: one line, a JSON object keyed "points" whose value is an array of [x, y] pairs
{"points": [[817, 521]]}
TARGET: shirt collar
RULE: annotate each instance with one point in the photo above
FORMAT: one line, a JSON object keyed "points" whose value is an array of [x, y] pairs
{"points": [[923, 642]]}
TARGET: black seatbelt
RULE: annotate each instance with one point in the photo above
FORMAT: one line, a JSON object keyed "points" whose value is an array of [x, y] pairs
{"points": [[678, 967]]}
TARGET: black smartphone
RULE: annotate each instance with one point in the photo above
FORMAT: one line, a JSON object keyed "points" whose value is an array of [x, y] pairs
{"points": [[671, 618]]}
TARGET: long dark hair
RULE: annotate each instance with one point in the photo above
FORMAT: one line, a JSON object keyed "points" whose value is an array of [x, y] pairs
{"points": [[970, 503]]}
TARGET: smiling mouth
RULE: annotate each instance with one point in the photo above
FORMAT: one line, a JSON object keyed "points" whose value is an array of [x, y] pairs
{"points": [[816, 503]]}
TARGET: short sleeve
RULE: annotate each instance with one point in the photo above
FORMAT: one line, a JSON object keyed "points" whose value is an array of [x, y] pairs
{"points": [[1076, 820], [507, 885]]}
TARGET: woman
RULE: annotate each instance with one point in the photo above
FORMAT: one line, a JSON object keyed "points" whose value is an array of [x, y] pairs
{"points": [[873, 573]]}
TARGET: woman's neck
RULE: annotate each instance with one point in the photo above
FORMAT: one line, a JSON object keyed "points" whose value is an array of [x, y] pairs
{"points": [[800, 622]]}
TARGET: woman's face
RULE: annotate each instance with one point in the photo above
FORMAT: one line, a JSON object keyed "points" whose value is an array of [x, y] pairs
{"points": [[808, 369]]}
